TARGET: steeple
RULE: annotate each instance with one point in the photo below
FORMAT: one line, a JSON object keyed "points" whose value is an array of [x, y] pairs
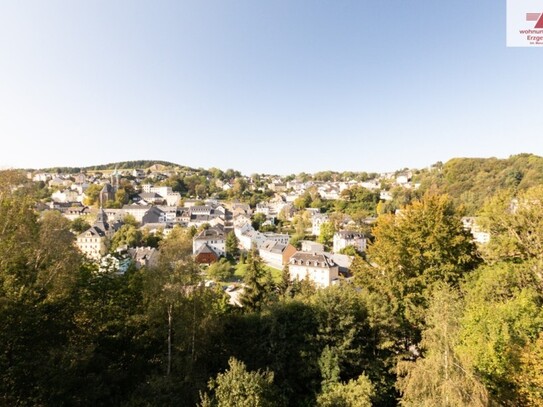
{"points": [[115, 177]]}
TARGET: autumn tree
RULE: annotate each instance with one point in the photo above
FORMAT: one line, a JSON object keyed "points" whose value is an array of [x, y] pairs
{"points": [[421, 246], [529, 378]]}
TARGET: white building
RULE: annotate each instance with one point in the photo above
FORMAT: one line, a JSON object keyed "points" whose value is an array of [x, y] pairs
{"points": [[346, 238], [66, 195], [316, 221], [137, 211], [317, 267], [93, 241], [213, 237]]}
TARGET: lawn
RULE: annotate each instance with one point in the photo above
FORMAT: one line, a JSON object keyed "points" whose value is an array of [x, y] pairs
{"points": [[242, 268]]}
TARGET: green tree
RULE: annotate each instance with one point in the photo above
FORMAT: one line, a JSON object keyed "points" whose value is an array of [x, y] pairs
{"points": [[232, 246], [127, 235], [129, 219], [171, 287], [515, 224], [441, 377], [258, 220], [529, 378], [256, 283], [423, 245], [285, 285], [79, 225], [326, 233], [241, 388], [221, 270], [303, 201], [355, 393], [92, 194], [502, 314]]}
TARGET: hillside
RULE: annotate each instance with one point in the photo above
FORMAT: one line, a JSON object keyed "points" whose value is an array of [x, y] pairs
{"points": [[470, 181], [122, 165]]}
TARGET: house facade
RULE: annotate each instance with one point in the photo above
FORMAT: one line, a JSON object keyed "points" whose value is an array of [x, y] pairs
{"points": [[213, 237], [316, 267], [276, 254], [345, 238], [93, 241]]}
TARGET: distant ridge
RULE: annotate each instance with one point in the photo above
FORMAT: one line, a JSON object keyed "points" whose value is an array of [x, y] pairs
{"points": [[121, 165]]}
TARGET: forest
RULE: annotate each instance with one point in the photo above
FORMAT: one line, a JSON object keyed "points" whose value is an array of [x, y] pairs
{"points": [[430, 319]]}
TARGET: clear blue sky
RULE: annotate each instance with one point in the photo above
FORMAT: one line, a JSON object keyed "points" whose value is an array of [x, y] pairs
{"points": [[278, 86]]}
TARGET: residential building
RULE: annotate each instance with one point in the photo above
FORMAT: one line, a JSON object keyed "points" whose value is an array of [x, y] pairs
{"points": [[316, 221], [206, 254], [310, 246], [93, 241], [316, 267], [345, 238], [144, 256], [276, 254], [213, 237]]}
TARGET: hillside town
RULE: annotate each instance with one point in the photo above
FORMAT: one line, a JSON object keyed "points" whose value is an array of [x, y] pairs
{"points": [[301, 225]]}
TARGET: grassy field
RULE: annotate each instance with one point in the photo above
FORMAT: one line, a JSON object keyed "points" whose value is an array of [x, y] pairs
{"points": [[242, 268]]}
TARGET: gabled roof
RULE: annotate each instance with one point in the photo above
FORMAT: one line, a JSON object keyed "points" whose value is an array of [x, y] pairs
{"points": [[273, 246], [94, 231], [348, 234], [211, 233], [142, 253], [312, 259], [206, 249]]}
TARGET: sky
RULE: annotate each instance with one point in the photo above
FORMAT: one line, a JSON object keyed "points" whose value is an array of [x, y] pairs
{"points": [[264, 86]]}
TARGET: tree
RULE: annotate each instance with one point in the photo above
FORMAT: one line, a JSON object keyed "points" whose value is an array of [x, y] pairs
{"points": [[37, 258], [502, 314], [303, 201], [129, 219], [92, 194], [354, 393], [221, 270], [301, 222], [423, 245], [441, 377], [127, 235], [326, 233], [172, 285], [79, 225], [256, 283], [285, 284], [515, 224], [258, 220], [232, 246], [350, 250], [241, 388], [529, 378]]}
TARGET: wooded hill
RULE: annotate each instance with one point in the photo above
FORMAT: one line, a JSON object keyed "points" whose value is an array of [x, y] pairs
{"points": [[121, 165], [471, 181]]}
